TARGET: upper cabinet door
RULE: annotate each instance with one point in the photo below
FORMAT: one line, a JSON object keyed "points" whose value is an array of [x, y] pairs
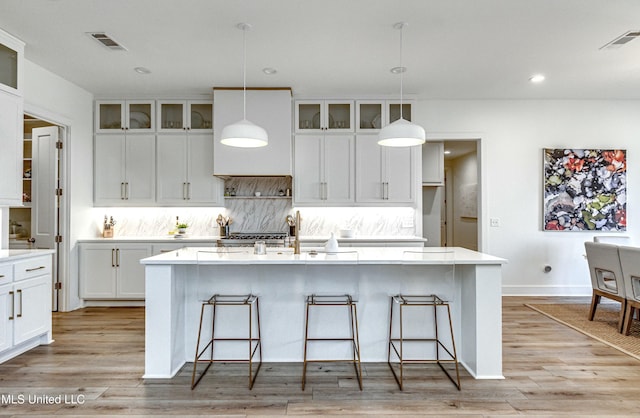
{"points": [[370, 115], [323, 116], [393, 111], [10, 150], [185, 115], [11, 63], [125, 116]]}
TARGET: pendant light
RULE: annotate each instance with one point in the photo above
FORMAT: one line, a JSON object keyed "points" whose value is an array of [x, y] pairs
{"points": [[243, 133], [401, 133]]}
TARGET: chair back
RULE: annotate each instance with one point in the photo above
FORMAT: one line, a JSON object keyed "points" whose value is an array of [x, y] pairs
{"points": [[604, 268], [630, 262], [613, 239]]}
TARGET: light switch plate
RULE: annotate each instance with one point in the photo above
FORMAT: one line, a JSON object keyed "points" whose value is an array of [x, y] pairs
{"points": [[495, 222]]}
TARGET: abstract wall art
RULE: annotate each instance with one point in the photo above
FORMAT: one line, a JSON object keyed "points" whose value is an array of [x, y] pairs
{"points": [[585, 190]]}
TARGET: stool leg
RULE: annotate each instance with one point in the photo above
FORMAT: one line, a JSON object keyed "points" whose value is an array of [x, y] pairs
{"points": [[356, 342], [455, 354], [194, 382], [253, 376], [435, 321], [306, 336], [392, 346], [401, 356]]}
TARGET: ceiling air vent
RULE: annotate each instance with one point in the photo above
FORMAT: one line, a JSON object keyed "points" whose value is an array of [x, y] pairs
{"points": [[107, 41], [622, 39]]}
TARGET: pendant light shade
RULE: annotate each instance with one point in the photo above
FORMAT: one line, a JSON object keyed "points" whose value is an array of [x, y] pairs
{"points": [[244, 134], [401, 133]]}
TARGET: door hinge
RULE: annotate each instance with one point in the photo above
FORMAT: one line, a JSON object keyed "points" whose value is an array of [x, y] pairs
{"points": [[57, 285], [59, 145], [58, 192], [58, 238]]}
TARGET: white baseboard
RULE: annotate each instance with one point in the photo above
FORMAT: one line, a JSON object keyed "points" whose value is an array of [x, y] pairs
{"points": [[546, 290]]}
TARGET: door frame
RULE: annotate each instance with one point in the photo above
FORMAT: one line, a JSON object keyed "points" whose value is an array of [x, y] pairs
{"points": [[480, 139], [64, 225]]}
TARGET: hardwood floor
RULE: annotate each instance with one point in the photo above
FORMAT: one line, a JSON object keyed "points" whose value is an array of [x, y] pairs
{"points": [[96, 363]]}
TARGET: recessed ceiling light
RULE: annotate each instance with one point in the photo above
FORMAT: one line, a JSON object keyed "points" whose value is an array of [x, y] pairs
{"points": [[142, 70], [537, 78], [269, 70], [447, 152], [398, 70]]}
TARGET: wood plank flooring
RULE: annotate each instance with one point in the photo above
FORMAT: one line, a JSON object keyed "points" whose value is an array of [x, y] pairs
{"points": [[96, 363]]}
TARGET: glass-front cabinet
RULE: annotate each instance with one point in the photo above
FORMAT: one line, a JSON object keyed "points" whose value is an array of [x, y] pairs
{"points": [[372, 115], [393, 111], [185, 115], [125, 115], [323, 116]]}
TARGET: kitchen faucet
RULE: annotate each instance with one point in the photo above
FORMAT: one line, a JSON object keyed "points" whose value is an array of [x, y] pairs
{"points": [[296, 242]]}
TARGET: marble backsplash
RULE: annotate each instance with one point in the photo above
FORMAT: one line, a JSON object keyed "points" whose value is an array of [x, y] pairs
{"points": [[265, 213], [251, 215]]}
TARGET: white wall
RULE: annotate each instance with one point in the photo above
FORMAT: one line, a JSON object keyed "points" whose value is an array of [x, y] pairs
{"points": [[513, 133], [47, 94]]}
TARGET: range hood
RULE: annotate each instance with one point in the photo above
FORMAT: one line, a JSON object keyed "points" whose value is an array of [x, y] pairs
{"points": [[269, 108]]}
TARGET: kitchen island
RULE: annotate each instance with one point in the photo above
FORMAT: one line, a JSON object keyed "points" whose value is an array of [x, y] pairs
{"points": [[177, 282]]}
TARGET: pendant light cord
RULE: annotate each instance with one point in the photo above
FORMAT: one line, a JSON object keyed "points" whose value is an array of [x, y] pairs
{"points": [[244, 72], [401, 69]]}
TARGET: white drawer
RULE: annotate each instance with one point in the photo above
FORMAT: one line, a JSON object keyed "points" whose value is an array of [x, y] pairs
{"points": [[33, 267], [6, 273]]}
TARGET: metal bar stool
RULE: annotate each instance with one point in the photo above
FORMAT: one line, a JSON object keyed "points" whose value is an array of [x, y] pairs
{"points": [[396, 345], [318, 301], [254, 343]]}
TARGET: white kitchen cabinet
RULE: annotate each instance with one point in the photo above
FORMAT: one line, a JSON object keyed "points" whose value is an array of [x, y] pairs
{"points": [[314, 116], [269, 109], [384, 175], [433, 163], [324, 170], [185, 170], [124, 169], [113, 116], [372, 115], [185, 115], [109, 271], [11, 64], [25, 305], [11, 133]]}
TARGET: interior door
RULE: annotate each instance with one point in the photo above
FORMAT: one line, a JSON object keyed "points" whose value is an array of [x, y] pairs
{"points": [[45, 208], [45, 182]]}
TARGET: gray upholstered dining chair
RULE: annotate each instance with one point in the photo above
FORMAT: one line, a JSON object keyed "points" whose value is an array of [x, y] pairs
{"points": [[630, 262], [606, 277], [613, 239]]}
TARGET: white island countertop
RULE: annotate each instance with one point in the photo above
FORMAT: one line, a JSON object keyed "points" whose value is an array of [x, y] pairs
{"points": [[349, 255], [10, 255]]}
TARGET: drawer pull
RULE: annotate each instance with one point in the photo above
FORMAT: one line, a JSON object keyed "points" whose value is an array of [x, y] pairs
{"points": [[13, 306], [35, 268], [20, 293], [1, 276]]}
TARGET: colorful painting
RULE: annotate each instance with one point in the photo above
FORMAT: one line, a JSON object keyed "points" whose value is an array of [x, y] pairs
{"points": [[585, 190]]}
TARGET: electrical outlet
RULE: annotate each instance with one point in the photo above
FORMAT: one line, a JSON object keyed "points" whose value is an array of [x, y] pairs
{"points": [[407, 222], [495, 222]]}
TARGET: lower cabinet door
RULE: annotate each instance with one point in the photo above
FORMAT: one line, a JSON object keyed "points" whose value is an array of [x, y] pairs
{"points": [[130, 283], [7, 309], [97, 271], [32, 308]]}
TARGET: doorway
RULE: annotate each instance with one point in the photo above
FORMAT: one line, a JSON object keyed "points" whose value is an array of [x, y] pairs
{"points": [[460, 200], [36, 224]]}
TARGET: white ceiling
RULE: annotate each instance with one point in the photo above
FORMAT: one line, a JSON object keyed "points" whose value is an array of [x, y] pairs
{"points": [[453, 48]]}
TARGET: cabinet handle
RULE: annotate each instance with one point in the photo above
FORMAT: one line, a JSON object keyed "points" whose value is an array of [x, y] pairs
{"points": [[184, 191], [13, 306], [113, 264], [126, 190], [20, 314], [326, 193], [188, 191], [35, 268], [122, 191], [386, 191], [1, 276], [118, 257]]}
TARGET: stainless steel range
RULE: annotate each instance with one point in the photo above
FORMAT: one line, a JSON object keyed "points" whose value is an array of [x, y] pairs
{"points": [[248, 239]]}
